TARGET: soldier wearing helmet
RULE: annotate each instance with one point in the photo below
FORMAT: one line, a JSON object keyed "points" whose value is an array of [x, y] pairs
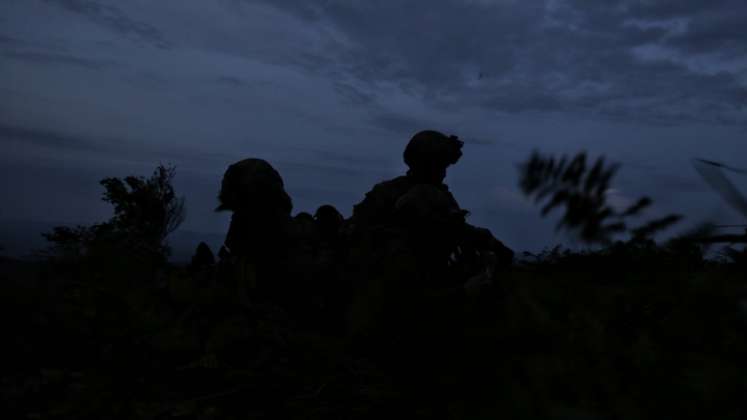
{"points": [[274, 257], [408, 232], [253, 190], [257, 236], [428, 154]]}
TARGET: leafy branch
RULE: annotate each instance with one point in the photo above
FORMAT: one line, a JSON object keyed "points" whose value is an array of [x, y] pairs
{"points": [[582, 190], [146, 211]]}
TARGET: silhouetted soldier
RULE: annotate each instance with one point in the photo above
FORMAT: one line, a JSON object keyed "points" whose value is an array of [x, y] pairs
{"points": [[329, 258], [203, 258], [395, 202], [313, 262], [202, 266], [410, 240], [415, 261], [329, 222], [257, 237], [428, 154], [302, 294], [305, 220], [272, 256]]}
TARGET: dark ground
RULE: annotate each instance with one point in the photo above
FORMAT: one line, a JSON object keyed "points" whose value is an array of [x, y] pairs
{"points": [[642, 336]]}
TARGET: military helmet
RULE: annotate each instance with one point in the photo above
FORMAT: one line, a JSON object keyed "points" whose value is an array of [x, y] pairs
{"points": [[328, 212], [431, 148], [251, 183], [329, 218]]}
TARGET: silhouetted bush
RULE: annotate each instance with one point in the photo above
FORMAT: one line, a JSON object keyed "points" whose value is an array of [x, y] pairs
{"points": [[146, 211], [582, 191]]}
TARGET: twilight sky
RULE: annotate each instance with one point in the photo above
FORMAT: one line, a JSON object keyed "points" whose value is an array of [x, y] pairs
{"points": [[330, 91]]}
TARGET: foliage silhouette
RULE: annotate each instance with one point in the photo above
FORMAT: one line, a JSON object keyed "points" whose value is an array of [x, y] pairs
{"points": [[147, 208], [582, 191], [146, 211]]}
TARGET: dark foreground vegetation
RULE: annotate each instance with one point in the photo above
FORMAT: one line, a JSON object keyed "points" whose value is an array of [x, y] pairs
{"points": [[106, 328], [631, 333]]}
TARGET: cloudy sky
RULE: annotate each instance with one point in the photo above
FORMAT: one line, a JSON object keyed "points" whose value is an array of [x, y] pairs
{"points": [[330, 91]]}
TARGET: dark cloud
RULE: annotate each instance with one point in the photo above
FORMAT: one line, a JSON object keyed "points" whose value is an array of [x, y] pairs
{"points": [[696, 27], [320, 169], [331, 90], [405, 126], [565, 56], [353, 95], [49, 139], [346, 159], [105, 148], [46, 58], [9, 40], [478, 141], [721, 33], [670, 9], [114, 19], [399, 123]]}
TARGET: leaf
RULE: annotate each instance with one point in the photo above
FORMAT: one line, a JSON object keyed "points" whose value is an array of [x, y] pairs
{"points": [[654, 226], [583, 193], [593, 177], [558, 199], [637, 207]]}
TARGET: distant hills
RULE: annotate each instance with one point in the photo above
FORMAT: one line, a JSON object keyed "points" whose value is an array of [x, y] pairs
{"points": [[20, 238]]}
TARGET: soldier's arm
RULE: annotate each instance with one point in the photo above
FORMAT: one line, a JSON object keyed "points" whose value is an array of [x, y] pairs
{"points": [[481, 238]]}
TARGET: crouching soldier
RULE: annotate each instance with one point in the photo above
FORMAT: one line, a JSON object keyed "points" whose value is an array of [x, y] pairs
{"points": [[415, 254]]}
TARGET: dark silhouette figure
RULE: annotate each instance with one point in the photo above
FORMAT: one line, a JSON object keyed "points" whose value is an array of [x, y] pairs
{"points": [[257, 238], [428, 154], [273, 257], [408, 234], [223, 253], [423, 204], [203, 258], [411, 250], [329, 222], [416, 264], [253, 190], [329, 256]]}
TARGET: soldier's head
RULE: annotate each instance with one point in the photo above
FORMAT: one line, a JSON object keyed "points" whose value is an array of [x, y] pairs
{"points": [[328, 218], [429, 153], [254, 186], [304, 217]]}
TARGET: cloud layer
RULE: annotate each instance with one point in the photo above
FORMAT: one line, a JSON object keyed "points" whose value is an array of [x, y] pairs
{"points": [[653, 62], [329, 91]]}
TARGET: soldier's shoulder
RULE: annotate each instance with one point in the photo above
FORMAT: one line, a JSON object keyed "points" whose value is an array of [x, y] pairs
{"points": [[379, 201], [399, 184]]}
